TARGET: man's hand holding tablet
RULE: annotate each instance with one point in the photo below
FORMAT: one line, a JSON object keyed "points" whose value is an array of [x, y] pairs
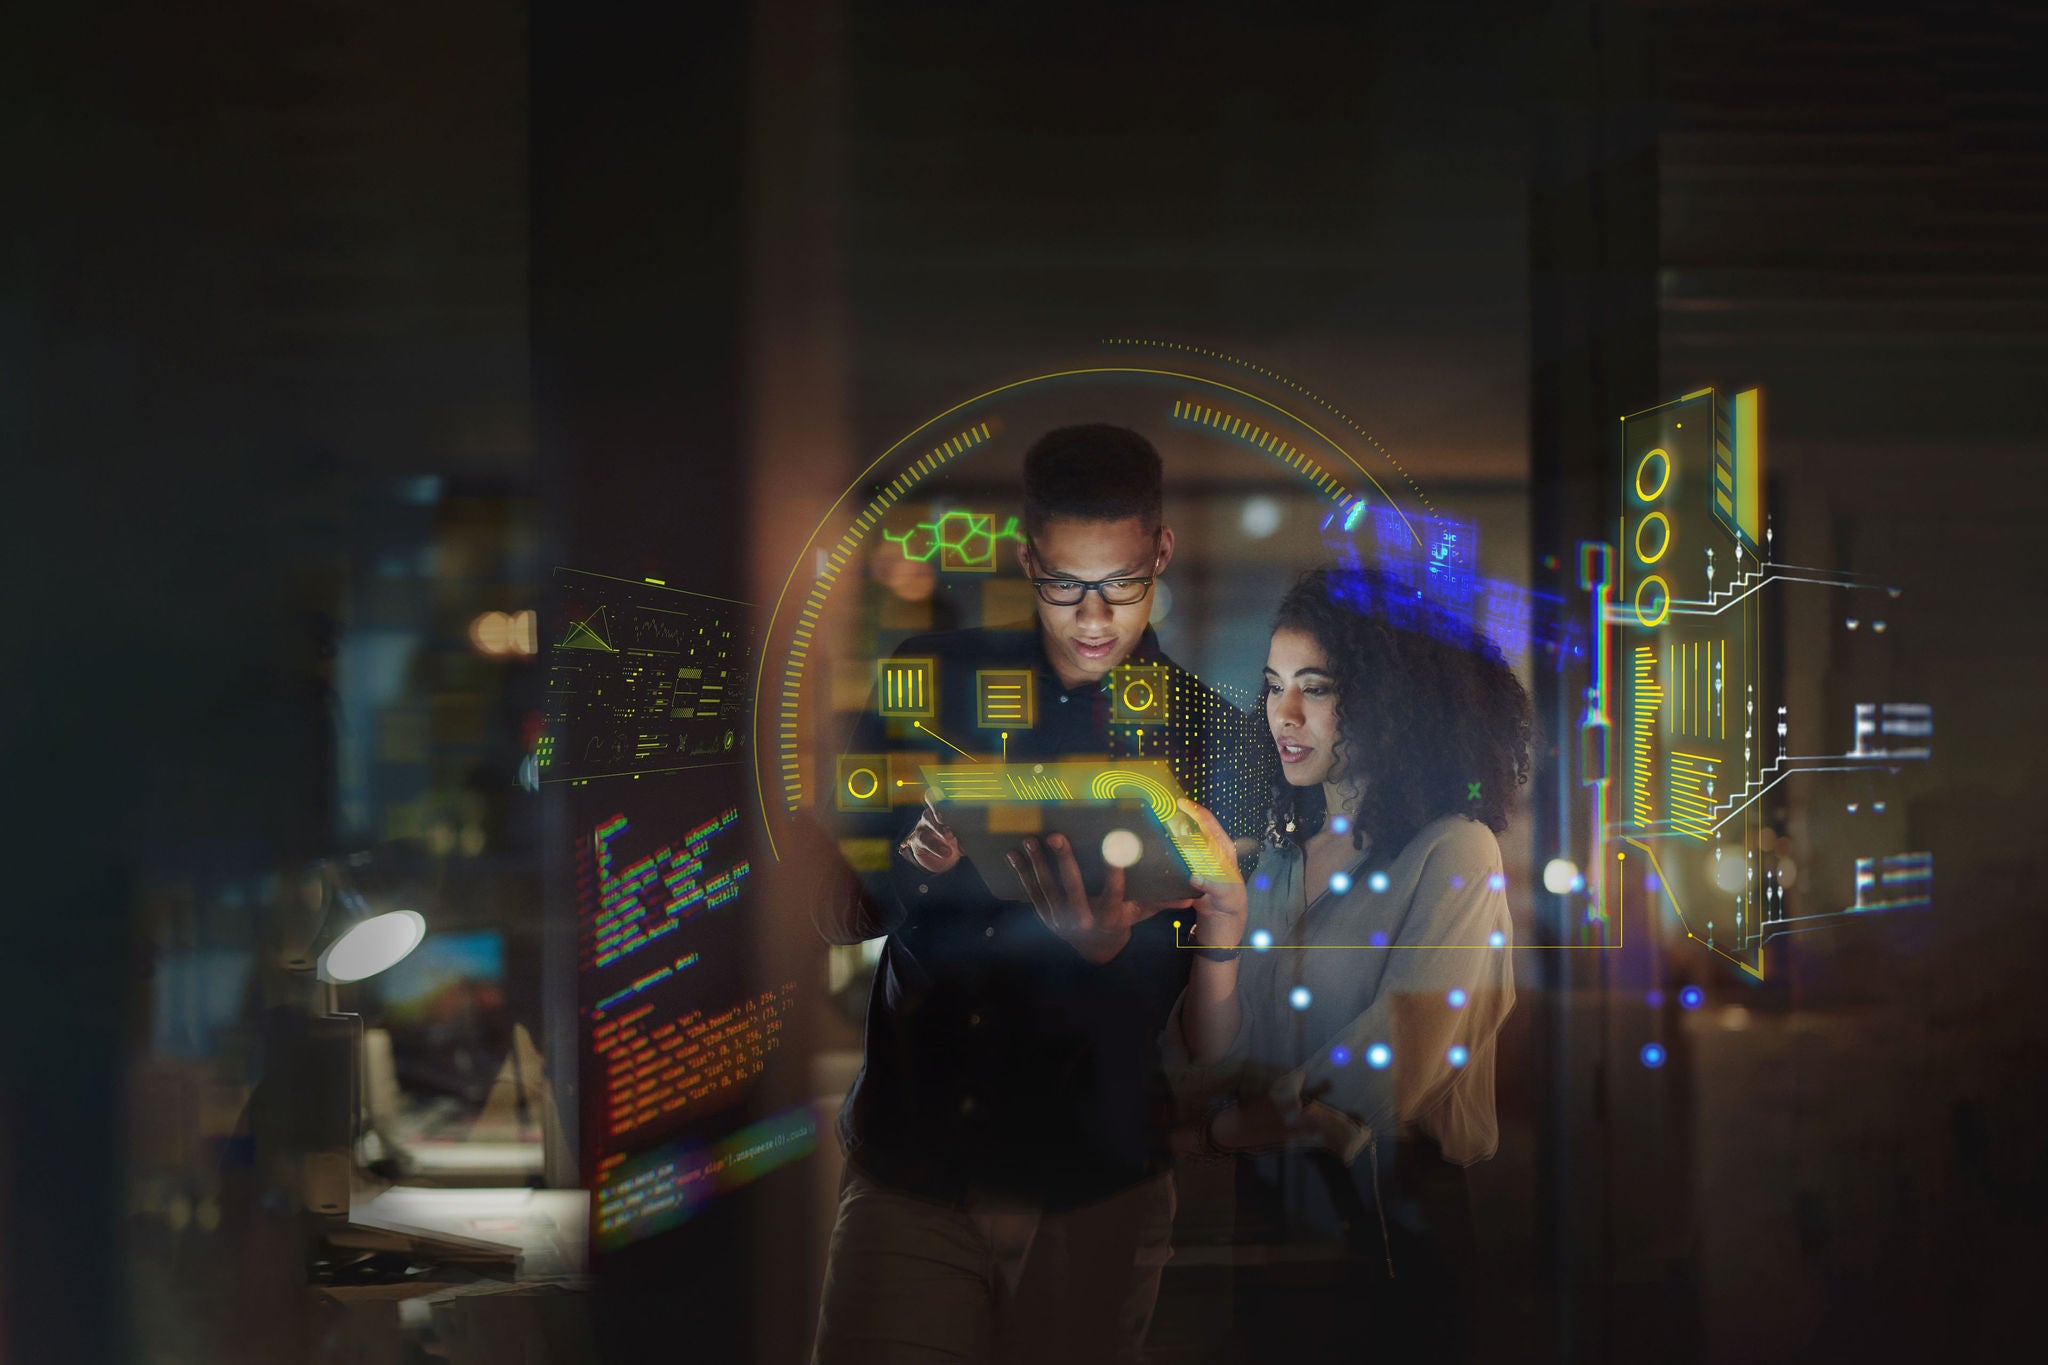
{"points": [[1097, 926]]}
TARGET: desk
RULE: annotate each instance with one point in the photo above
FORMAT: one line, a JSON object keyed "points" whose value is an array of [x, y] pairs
{"points": [[476, 1314], [548, 1230]]}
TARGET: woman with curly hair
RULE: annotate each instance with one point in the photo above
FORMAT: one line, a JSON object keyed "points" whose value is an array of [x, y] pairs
{"points": [[1345, 1002]]}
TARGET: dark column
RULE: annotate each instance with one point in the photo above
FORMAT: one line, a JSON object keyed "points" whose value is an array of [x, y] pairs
{"points": [[1593, 346], [638, 246]]}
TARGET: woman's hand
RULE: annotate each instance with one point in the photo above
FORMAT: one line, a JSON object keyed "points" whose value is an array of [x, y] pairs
{"points": [[931, 844], [1097, 926], [1220, 913]]}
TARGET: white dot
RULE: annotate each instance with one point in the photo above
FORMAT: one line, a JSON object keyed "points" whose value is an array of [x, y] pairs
{"points": [[1730, 872], [1497, 939], [1298, 997], [1261, 940], [1377, 881], [1379, 1056], [1558, 875], [1259, 517], [1121, 848], [1456, 998], [1340, 882], [1457, 1056], [1162, 600], [1497, 882]]}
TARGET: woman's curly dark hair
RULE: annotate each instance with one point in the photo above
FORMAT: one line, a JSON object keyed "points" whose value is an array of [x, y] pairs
{"points": [[1423, 712]]}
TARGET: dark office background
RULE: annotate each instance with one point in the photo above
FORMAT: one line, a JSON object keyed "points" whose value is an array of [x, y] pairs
{"points": [[277, 277]]}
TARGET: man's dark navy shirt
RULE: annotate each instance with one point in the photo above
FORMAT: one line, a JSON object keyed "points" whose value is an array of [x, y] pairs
{"points": [[1000, 1062]]}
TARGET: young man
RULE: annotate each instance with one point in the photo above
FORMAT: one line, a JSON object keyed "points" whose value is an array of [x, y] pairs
{"points": [[1008, 1192]]}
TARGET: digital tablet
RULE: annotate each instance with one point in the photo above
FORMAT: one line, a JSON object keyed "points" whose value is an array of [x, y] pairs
{"points": [[1121, 814]]}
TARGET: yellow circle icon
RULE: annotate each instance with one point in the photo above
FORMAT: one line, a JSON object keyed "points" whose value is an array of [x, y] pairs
{"points": [[1663, 598], [1131, 688], [874, 783], [1663, 474], [1663, 524]]}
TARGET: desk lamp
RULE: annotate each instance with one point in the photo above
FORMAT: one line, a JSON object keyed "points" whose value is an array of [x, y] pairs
{"points": [[337, 935], [356, 942], [329, 934]]}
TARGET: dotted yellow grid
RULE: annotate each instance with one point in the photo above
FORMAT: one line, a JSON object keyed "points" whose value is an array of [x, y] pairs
{"points": [[1307, 393]]}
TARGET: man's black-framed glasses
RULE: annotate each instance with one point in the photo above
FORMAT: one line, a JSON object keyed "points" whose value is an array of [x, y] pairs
{"points": [[1069, 592]]}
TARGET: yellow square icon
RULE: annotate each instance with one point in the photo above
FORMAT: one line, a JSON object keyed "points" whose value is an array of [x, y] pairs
{"points": [[862, 782], [1004, 698], [907, 689], [1139, 695]]}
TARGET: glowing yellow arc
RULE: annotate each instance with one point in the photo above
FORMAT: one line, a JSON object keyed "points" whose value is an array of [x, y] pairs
{"points": [[1108, 783]]}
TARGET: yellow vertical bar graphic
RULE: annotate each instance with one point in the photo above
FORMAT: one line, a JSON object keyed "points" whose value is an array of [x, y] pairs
{"points": [[1748, 468]]}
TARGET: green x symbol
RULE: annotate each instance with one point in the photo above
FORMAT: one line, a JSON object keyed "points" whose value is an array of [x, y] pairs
{"points": [[1471, 791]]}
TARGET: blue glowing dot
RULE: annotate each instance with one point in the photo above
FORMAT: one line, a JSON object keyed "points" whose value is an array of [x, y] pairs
{"points": [[1378, 940], [1340, 1055], [1497, 882], [1457, 1056], [1340, 824], [1653, 882], [1496, 939], [1262, 882], [1456, 999], [1261, 940], [1377, 881], [1653, 1055], [1692, 997], [1340, 882], [1457, 883], [1655, 999], [1379, 1056], [1298, 997]]}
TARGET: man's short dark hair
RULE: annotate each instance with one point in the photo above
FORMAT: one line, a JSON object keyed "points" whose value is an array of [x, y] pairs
{"points": [[1091, 473]]}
